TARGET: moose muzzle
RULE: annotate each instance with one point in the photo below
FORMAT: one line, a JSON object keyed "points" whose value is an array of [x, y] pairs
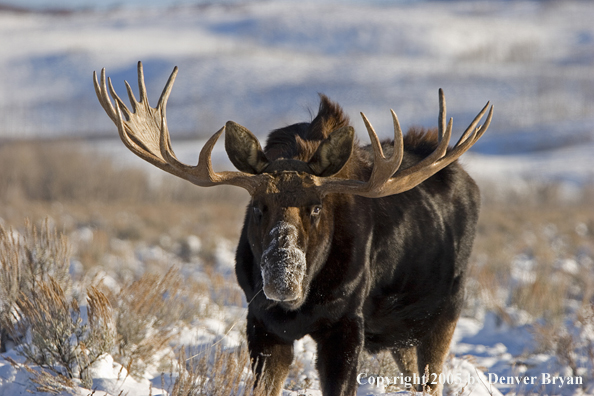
{"points": [[283, 264]]}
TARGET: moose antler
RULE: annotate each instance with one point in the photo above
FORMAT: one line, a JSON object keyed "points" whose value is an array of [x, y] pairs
{"points": [[383, 180], [145, 133]]}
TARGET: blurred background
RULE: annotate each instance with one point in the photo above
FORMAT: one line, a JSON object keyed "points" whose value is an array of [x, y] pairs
{"points": [[262, 64]]}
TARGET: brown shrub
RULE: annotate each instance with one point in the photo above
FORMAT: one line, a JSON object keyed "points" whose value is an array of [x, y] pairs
{"points": [[146, 314], [61, 341], [26, 261]]}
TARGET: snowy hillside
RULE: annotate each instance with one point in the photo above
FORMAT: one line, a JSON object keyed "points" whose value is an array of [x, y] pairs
{"points": [[262, 64]]}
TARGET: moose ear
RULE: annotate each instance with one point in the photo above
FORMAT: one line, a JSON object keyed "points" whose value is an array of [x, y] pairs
{"points": [[333, 152], [243, 149]]}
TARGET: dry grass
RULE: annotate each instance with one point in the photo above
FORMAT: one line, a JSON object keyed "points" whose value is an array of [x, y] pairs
{"points": [[535, 257], [69, 183], [216, 372], [46, 171], [571, 343], [134, 324], [80, 192], [45, 380], [54, 171], [147, 312], [381, 365]]}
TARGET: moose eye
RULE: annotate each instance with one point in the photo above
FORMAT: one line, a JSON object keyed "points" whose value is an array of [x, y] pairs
{"points": [[257, 212], [316, 210]]}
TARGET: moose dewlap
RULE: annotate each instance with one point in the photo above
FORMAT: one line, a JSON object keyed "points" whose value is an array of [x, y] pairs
{"points": [[357, 246]]}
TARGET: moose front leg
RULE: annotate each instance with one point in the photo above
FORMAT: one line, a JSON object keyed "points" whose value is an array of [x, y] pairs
{"points": [[432, 352], [338, 356], [271, 358]]}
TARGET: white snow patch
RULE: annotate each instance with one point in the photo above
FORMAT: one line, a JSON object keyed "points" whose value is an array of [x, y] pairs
{"points": [[523, 269], [225, 256]]}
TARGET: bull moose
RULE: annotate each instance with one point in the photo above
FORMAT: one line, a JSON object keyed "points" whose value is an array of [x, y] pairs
{"points": [[361, 247]]}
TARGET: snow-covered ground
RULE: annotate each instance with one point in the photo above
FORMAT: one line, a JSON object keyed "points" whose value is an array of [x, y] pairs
{"points": [[488, 355], [262, 65]]}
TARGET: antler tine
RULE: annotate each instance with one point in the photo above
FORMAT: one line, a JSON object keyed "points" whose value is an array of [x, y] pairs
{"points": [[432, 158], [378, 153], [141, 89], [131, 96], [398, 147], [472, 133], [383, 168], [483, 128], [442, 115], [471, 128], [141, 84], [444, 136], [119, 102], [204, 159], [167, 90], [103, 96]]}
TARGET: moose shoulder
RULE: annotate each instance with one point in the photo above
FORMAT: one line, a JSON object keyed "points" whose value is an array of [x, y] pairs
{"points": [[361, 247]]}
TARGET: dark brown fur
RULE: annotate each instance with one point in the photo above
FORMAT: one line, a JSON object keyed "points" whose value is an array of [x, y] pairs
{"points": [[300, 141]]}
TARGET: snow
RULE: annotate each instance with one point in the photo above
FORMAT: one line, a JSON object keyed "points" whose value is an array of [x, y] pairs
{"points": [[108, 377], [484, 350], [111, 377]]}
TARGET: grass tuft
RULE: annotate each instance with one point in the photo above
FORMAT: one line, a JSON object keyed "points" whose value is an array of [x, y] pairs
{"points": [[216, 372]]}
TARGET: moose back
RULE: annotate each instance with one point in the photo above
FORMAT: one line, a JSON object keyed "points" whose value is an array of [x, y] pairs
{"points": [[360, 247]]}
